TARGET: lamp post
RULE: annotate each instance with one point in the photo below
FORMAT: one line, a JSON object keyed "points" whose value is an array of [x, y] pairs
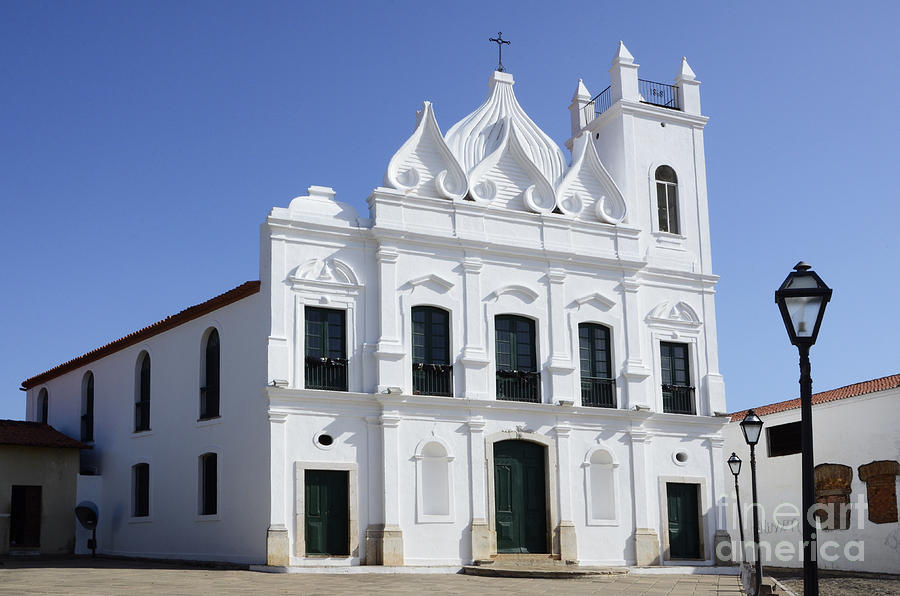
{"points": [[752, 427], [734, 462], [801, 299]]}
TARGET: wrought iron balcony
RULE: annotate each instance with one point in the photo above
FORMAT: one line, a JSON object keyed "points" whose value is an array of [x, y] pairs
{"points": [[678, 399], [598, 392], [326, 373], [432, 379], [651, 92], [519, 385], [658, 94]]}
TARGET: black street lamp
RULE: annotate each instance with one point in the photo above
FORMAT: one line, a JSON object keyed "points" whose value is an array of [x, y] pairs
{"points": [[802, 299], [752, 427], [734, 462]]}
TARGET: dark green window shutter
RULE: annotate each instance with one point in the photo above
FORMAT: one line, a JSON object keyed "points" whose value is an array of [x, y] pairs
{"points": [[432, 372], [326, 348]]}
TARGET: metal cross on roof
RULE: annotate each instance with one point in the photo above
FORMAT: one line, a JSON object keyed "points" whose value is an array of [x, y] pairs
{"points": [[499, 41]]}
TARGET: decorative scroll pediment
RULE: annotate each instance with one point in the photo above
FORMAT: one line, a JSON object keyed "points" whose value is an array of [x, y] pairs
{"points": [[538, 196], [424, 164], [524, 293], [586, 183], [324, 271], [596, 298], [435, 282], [477, 136], [679, 313]]}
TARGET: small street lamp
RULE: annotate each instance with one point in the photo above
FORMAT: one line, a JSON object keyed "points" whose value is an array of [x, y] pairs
{"points": [[801, 299], [751, 425], [734, 462]]}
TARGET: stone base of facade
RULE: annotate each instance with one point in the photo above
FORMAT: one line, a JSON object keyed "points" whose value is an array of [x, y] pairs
{"points": [[568, 546], [482, 540], [278, 546], [723, 549], [646, 547], [384, 546]]}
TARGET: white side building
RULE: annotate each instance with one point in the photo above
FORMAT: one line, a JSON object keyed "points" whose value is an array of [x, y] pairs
{"points": [[515, 353], [856, 444]]}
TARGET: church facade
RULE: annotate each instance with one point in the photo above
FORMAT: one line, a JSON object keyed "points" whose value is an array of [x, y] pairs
{"points": [[514, 353]]}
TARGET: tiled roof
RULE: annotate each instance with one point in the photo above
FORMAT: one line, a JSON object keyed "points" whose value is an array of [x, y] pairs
{"points": [[35, 434], [188, 314], [889, 382]]}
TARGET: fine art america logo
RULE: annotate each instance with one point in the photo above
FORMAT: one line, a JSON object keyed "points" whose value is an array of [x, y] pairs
{"points": [[785, 518]]}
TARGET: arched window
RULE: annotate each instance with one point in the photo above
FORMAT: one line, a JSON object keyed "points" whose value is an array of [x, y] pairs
{"points": [[87, 407], [209, 385], [432, 371], [601, 487], [434, 494], [667, 199], [209, 484], [140, 490], [43, 406], [598, 387], [142, 394], [518, 378]]}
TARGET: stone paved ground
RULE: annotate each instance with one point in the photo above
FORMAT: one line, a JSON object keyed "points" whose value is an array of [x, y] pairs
{"points": [[110, 576], [836, 585]]}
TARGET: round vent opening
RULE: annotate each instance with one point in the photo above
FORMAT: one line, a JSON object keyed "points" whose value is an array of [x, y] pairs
{"points": [[325, 440], [681, 457]]}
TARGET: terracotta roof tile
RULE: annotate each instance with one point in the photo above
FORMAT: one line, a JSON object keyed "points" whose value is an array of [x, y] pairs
{"points": [[188, 314], [889, 382], [35, 434]]}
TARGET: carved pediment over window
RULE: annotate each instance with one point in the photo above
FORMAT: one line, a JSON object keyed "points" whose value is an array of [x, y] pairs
{"points": [[680, 314], [524, 293], [323, 272], [597, 299], [432, 281]]}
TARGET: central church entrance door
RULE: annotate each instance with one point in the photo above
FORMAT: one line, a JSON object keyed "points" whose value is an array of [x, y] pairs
{"points": [[520, 497]]}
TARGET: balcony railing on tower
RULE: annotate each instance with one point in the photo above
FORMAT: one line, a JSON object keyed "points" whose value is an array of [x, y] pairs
{"points": [[519, 385], [326, 373], [432, 379], [598, 392], [651, 92], [678, 399]]}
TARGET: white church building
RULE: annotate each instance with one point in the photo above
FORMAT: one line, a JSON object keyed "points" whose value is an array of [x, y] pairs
{"points": [[513, 352]]}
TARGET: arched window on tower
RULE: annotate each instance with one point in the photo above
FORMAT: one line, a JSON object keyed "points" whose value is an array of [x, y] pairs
{"points": [[142, 394], [43, 406], [209, 383], [87, 407], [667, 199]]}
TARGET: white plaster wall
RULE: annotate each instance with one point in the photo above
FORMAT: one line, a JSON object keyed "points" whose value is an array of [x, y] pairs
{"points": [[852, 432], [176, 440]]}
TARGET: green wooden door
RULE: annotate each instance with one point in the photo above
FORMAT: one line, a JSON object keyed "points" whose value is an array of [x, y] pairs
{"points": [[684, 521], [327, 513], [519, 497]]}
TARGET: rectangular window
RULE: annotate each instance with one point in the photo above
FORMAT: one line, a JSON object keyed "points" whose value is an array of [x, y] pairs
{"points": [[784, 439], [598, 388], [141, 490], [517, 376], [326, 349], [432, 371], [667, 206], [208, 484], [678, 394]]}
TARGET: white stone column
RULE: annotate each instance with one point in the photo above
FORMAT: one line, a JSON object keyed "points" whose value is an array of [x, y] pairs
{"points": [[580, 113], [560, 368], [568, 544], [474, 355], [389, 353], [646, 539], [481, 533], [278, 546], [688, 89], [389, 545], [636, 371]]}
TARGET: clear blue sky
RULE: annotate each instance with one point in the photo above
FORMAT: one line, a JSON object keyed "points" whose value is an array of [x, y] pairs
{"points": [[143, 143]]}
